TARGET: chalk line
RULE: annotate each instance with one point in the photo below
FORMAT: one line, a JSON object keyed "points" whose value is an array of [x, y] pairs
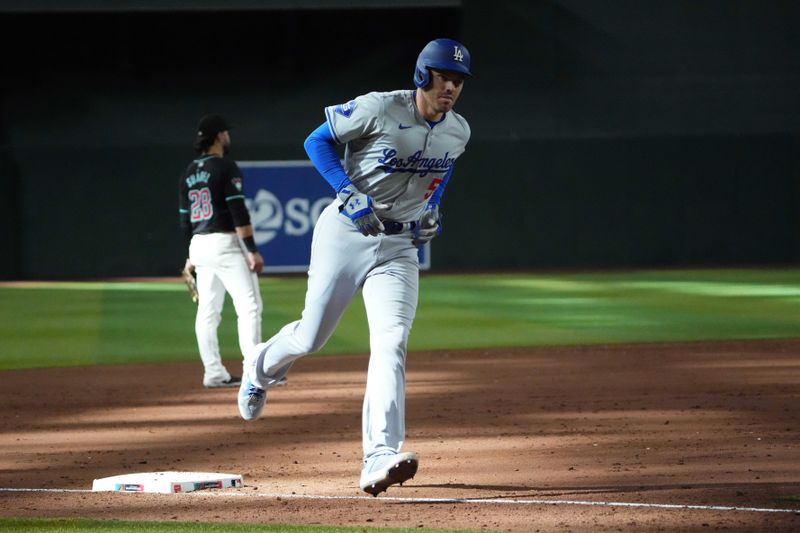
{"points": [[477, 501]]}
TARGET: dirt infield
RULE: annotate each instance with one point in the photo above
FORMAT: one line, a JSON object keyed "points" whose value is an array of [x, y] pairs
{"points": [[509, 440]]}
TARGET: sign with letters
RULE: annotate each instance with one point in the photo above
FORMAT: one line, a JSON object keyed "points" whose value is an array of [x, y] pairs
{"points": [[285, 199]]}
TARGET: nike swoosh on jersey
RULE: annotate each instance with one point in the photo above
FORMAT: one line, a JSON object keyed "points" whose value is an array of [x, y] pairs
{"points": [[404, 127]]}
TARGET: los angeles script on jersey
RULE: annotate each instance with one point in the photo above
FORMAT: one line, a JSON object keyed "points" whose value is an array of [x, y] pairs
{"points": [[415, 163]]}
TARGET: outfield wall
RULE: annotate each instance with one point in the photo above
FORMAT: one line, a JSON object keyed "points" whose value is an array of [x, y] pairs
{"points": [[629, 134]]}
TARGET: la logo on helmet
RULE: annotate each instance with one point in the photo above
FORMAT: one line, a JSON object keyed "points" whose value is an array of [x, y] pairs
{"points": [[458, 55]]}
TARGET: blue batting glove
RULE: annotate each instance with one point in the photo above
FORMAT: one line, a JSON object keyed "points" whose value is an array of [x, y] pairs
{"points": [[428, 226], [358, 207]]}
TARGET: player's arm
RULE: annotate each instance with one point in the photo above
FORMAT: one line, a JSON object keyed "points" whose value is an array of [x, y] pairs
{"points": [[254, 259], [184, 220], [321, 149], [320, 146], [241, 217]]}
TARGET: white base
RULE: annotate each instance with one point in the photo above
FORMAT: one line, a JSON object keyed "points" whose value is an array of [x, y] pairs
{"points": [[167, 482]]}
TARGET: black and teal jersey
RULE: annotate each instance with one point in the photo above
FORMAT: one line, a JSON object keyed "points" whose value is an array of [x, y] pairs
{"points": [[211, 199]]}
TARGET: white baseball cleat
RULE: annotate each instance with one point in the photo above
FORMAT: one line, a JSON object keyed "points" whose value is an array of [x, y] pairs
{"points": [[251, 400], [382, 471], [233, 381]]}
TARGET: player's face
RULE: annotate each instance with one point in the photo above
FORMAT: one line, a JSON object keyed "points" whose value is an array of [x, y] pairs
{"points": [[444, 90]]}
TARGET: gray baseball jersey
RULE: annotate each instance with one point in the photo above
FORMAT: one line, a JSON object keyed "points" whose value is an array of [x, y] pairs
{"points": [[392, 153]]}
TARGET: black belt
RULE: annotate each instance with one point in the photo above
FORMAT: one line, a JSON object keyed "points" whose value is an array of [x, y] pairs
{"points": [[390, 227]]}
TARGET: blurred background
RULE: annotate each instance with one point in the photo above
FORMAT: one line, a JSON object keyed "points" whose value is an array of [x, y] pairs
{"points": [[624, 134]]}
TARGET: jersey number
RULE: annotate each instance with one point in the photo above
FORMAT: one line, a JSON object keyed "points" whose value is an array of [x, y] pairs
{"points": [[432, 187], [201, 208]]}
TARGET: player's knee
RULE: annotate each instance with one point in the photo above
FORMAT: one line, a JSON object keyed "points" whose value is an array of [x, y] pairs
{"points": [[391, 340], [203, 320], [310, 345], [250, 310], [303, 337]]}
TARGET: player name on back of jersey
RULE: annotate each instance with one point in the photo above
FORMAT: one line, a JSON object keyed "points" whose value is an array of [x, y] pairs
{"points": [[201, 176]]}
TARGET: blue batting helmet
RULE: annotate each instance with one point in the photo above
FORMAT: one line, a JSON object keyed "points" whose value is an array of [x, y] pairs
{"points": [[442, 54]]}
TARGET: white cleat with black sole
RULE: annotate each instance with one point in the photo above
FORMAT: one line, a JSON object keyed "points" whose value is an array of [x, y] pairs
{"points": [[383, 471]]}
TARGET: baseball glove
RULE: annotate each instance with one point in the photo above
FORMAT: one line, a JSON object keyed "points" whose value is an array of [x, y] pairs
{"points": [[191, 283]]}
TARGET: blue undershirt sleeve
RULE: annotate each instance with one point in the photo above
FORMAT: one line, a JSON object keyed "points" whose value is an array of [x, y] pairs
{"points": [[436, 197], [321, 149]]}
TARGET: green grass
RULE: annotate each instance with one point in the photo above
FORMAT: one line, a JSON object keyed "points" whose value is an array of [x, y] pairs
{"points": [[72, 525], [63, 324], [66, 324]]}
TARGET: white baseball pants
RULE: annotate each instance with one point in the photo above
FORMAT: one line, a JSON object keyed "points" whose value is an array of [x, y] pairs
{"points": [[343, 260], [221, 265]]}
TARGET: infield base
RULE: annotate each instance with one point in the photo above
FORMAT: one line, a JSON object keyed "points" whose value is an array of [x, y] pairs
{"points": [[167, 482]]}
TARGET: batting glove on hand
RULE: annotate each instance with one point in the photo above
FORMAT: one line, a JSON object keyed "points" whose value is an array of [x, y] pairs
{"points": [[428, 226], [358, 207]]}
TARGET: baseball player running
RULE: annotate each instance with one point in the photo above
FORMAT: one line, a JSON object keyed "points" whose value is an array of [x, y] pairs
{"points": [[222, 250], [399, 155]]}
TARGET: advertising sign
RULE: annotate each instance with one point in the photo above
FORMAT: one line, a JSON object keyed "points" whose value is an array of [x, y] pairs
{"points": [[285, 199]]}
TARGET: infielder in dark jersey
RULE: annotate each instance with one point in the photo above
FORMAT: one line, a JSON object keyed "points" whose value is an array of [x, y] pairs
{"points": [[222, 250]]}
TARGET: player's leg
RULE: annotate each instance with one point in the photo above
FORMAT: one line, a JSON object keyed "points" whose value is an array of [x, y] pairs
{"points": [[390, 296], [248, 311], [204, 252], [340, 258], [209, 313], [242, 285]]}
